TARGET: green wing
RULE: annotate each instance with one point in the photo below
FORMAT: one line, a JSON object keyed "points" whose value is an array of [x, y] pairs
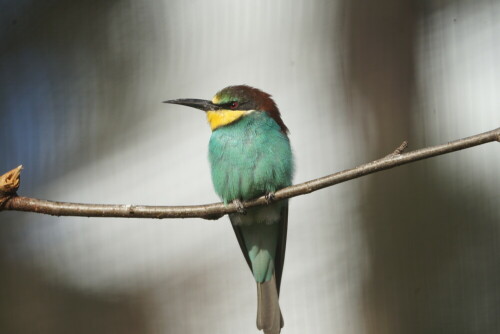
{"points": [[279, 257]]}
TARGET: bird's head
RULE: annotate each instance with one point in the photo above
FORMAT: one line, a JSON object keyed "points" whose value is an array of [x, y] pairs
{"points": [[232, 103]]}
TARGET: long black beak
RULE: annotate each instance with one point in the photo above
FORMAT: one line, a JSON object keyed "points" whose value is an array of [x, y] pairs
{"points": [[195, 103]]}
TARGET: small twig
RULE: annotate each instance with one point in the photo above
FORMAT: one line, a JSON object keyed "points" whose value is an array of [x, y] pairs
{"points": [[397, 151], [215, 211], [401, 148]]}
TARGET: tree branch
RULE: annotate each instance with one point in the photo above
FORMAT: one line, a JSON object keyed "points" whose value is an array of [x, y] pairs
{"points": [[10, 181]]}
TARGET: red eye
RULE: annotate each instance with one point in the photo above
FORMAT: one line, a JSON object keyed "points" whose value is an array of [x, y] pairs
{"points": [[234, 105]]}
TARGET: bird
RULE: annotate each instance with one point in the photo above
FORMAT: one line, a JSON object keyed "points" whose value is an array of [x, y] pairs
{"points": [[250, 156]]}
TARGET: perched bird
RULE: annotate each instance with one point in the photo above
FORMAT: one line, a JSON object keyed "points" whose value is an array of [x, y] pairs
{"points": [[250, 156]]}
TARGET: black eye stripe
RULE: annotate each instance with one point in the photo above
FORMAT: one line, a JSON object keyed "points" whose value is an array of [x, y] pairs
{"points": [[241, 105], [230, 104]]}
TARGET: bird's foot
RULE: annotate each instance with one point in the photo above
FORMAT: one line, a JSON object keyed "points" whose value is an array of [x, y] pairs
{"points": [[239, 207], [270, 197]]}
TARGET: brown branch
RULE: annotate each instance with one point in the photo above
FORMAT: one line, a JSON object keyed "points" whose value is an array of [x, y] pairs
{"points": [[217, 210]]}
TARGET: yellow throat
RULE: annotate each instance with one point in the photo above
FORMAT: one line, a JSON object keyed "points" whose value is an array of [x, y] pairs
{"points": [[218, 118]]}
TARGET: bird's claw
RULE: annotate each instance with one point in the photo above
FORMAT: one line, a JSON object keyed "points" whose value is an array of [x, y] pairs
{"points": [[270, 197], [239, 207]]}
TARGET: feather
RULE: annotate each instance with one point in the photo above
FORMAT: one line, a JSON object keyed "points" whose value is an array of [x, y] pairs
{"points": [[269, 316]]}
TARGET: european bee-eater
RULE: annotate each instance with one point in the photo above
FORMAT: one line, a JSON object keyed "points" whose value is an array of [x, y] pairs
{"points": [[250, 156]]}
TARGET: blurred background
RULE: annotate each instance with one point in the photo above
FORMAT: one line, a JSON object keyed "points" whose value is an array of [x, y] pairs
{"points": [[410, 250]]}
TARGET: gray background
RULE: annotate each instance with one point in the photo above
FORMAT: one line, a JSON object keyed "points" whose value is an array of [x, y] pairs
{"points": [[410, 250]]}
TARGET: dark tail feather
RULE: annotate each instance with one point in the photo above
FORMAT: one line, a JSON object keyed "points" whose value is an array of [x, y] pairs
{"points": [[269, 316]]}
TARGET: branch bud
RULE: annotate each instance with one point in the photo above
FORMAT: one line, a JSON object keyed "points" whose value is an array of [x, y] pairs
{"points": [[9, 183]]}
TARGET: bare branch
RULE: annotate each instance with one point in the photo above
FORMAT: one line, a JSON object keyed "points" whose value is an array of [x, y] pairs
{"points": [[217, 210]]}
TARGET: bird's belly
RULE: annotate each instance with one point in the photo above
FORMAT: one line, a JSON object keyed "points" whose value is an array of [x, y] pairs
{"points": [[268, 214], [243, 175], [248, 166]]}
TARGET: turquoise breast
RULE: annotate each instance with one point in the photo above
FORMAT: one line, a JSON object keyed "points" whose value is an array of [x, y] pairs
{"points": [[249, 158]]}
